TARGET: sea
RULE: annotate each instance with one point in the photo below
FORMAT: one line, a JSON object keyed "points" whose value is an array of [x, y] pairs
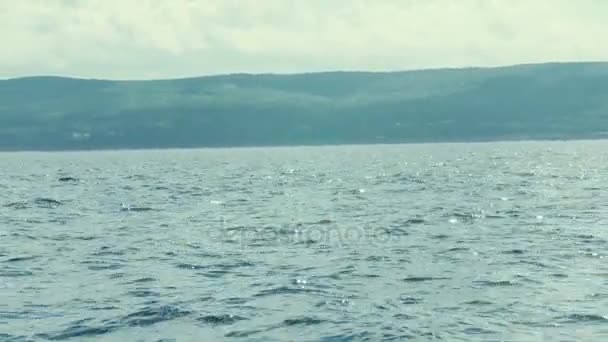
{"points": [[420, 242]]}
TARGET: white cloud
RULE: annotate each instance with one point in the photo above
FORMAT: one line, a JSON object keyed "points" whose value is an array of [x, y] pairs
{"points": [[174, 38]]}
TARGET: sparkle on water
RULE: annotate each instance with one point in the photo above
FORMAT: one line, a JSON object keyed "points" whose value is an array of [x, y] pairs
{"points": [[497, 241]]}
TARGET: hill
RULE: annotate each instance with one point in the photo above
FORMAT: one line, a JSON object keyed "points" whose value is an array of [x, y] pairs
{"points": [[542, 101]]}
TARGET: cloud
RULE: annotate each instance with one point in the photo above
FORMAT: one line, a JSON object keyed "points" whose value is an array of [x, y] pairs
{"points": [[175, 38]]}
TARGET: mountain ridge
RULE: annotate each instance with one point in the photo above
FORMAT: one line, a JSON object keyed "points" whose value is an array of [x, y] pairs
{"points": [[557, 100]]}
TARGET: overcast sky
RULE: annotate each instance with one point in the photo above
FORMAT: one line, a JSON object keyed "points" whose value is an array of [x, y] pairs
{"points": [[143, 39]]}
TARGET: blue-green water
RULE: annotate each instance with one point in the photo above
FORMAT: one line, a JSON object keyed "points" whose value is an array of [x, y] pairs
{"points": [[469, 242]]}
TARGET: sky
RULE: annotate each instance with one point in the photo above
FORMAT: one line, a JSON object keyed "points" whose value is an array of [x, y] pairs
{"points": [[150, 39]]}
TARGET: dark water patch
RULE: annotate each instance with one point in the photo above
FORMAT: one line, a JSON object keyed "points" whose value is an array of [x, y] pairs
{"points": [[143, 293], [493, 217], [224, 319], [348, 336], [491, 283], [396, 231], [152, 315], [306, 321], [375, 258], [47, 203], [13, 338], [525, 279], [423, 279], [9, 273], [108, 252], [103, 308], [583, 318], [440, 236], [19, 259], [368, 276], [79, 331], [136, 209], [478, 302], [514, 251], [216, 274], [285, 290], [102, 265], [406, 300], [235, 301], [136, 177], [243, 333], [512, 213], [68, 179], [17, 205], [307, 242], [414, 221], [478, 331], [233, 265], [529, 262], [143, 280], [404, 317], [455, 249], [84, 238]]}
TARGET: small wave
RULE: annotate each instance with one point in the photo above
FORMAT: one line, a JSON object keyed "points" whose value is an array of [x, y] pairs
{"points": [[47, 202], [136, 209], [99, 265], [18, 259], [143, 293], [149, 316], [282, 290], [490, 283], [78, 331], [244, 333], [143, 280], [580, 318], [224, 319], [191, 266], [8, 273], [68, 179], [142, 318], [456, 249], [410, 300], [17, 205], [478, 331], [414, 221], [302, 321], [478, 302], [12, 338], [422, 279], [514, 251]]}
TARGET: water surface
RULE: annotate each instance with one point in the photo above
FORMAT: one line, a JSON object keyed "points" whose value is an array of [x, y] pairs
{"points": [[469, 242]]}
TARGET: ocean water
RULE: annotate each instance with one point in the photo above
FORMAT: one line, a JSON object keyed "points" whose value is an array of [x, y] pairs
{"points": [[452, 242]]}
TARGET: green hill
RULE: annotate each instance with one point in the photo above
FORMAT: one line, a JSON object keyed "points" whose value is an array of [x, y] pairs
{"points": [[543, 101]]}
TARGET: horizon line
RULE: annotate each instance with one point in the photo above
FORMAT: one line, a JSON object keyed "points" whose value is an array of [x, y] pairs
{"points": [[329, 71]]}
